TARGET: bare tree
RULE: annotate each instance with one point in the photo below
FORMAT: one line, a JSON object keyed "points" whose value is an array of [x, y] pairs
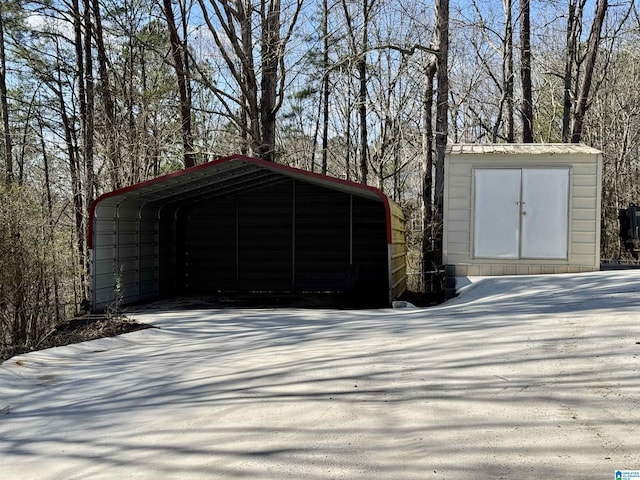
{"points": [[436, 69], [574, 28], [89, 118], [442, 112], [256, 63], [325, 85], [362, 92], [580, 106], [428, 210], [83, 74], [582, 59], [493, 47], [359, 48], [4, 104], [525, 71], [507, 69], [108, 104], [180, 61]]}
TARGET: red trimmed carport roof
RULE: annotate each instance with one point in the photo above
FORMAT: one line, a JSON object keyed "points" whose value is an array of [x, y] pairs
{"points": [[226, 175]]}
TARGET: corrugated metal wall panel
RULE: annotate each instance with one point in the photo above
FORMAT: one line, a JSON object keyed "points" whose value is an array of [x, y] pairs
{"points": [[370, 250], [322, 261], [265, 239], [167, 251], [127, 254], [250, 242], [148, 260], [103, 256], [397, 253], [241, 243], [212, 247]]}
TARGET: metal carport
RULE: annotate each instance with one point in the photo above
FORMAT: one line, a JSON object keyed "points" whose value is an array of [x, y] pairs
{"points": [[240, 224]]}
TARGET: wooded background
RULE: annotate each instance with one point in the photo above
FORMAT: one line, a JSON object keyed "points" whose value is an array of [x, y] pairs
{"points": [[99, 94]]}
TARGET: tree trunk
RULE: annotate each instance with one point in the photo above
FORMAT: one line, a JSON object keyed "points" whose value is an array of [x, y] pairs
{"points": [[506, 82], [270, 46], [244, 127], [72, 144], [525, 71], [427, 167], [89, 118], [250, 111], [52, 225], [76, 182], [362, 113], [109, 110], [185, 101], [590, 63], [24, 141], [362, 94], [186, 62], [442, 112], [573, 16], [325, 85], [4, 106], [508, 69]]}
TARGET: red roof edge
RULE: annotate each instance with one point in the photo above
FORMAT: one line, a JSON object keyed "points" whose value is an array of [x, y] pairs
{"points": [[256, 161]]}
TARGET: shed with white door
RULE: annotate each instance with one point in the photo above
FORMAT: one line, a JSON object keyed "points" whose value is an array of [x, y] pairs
{"points": [[518, 209]]}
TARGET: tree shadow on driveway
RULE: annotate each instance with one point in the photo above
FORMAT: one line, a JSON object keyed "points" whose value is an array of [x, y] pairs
{"points": [[523, 378]]}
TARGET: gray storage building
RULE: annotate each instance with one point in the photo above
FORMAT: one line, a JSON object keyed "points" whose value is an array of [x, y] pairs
{"points": [[240, 224]]}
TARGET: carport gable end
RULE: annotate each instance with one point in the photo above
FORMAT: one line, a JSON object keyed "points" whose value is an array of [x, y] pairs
{"points": [[244, 224]]}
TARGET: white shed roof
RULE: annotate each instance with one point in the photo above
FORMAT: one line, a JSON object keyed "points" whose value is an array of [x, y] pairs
{"points": [[521, 148]]}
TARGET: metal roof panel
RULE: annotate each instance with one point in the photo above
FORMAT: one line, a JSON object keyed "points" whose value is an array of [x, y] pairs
{"points": [[220, 177]]}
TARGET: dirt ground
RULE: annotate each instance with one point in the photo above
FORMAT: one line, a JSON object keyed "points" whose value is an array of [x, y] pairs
{"points": [[80, 329]]}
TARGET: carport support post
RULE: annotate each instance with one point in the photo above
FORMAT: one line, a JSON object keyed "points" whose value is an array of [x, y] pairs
{"points": [[116, 254], [138, 250], [92, 276]]}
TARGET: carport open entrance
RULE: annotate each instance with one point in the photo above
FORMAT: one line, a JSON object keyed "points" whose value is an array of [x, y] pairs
{"points": [[289, 237]]}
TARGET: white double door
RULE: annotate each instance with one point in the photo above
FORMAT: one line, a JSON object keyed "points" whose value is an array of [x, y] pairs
{"points": [[521, 212]]}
